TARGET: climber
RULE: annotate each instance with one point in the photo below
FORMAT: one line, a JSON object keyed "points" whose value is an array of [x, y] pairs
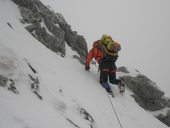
{"points": [[105, 51]]}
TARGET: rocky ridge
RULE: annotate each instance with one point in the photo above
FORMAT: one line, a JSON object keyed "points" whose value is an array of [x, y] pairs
{"points": [[50, 28]]}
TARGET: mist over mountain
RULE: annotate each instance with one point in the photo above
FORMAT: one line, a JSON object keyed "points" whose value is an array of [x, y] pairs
{"points": [[43, 82]]}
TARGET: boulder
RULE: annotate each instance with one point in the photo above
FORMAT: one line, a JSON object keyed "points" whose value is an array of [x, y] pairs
{"points": [[123, 69], [146, 93]]}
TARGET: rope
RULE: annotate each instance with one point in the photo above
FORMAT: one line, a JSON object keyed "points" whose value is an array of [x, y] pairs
{"points": [[114, 111]]}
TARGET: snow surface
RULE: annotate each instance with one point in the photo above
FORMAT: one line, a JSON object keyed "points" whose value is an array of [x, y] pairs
{"points": [[64, 85]]}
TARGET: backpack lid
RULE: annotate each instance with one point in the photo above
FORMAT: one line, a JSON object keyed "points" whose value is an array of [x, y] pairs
{"points": [[114, 46], [111, 48], [105, 39]]}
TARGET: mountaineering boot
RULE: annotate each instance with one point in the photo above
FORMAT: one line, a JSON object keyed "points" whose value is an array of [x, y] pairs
{"points": [[121, 86], [110, 91], [107, 87]]}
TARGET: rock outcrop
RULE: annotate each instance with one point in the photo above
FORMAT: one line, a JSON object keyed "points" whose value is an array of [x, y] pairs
{"points": [[165, 118], [50, 28], [146, 93]]}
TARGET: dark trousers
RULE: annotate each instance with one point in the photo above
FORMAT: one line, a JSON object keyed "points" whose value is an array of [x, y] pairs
{"points": [[107, 72]]}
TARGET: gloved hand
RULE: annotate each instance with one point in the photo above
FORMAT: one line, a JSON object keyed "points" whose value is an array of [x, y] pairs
{"points": [[87, 67]]}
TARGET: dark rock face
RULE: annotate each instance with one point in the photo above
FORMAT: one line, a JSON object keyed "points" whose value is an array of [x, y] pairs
{"points": [[146, 92], [165, 118], [50, 28], [123, 69]]}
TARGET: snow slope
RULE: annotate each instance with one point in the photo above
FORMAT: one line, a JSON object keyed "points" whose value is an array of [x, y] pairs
{"points": [[64, 85]]}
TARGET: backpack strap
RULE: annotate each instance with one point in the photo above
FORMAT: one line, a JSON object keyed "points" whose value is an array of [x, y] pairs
{"points": [[106, 51], [97, 44]]}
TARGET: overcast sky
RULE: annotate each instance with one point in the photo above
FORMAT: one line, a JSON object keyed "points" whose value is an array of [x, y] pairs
{"points": [[141, 26]]}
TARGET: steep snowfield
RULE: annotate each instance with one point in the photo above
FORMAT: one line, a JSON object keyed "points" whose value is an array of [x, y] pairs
{"points": [[64, 85]]}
